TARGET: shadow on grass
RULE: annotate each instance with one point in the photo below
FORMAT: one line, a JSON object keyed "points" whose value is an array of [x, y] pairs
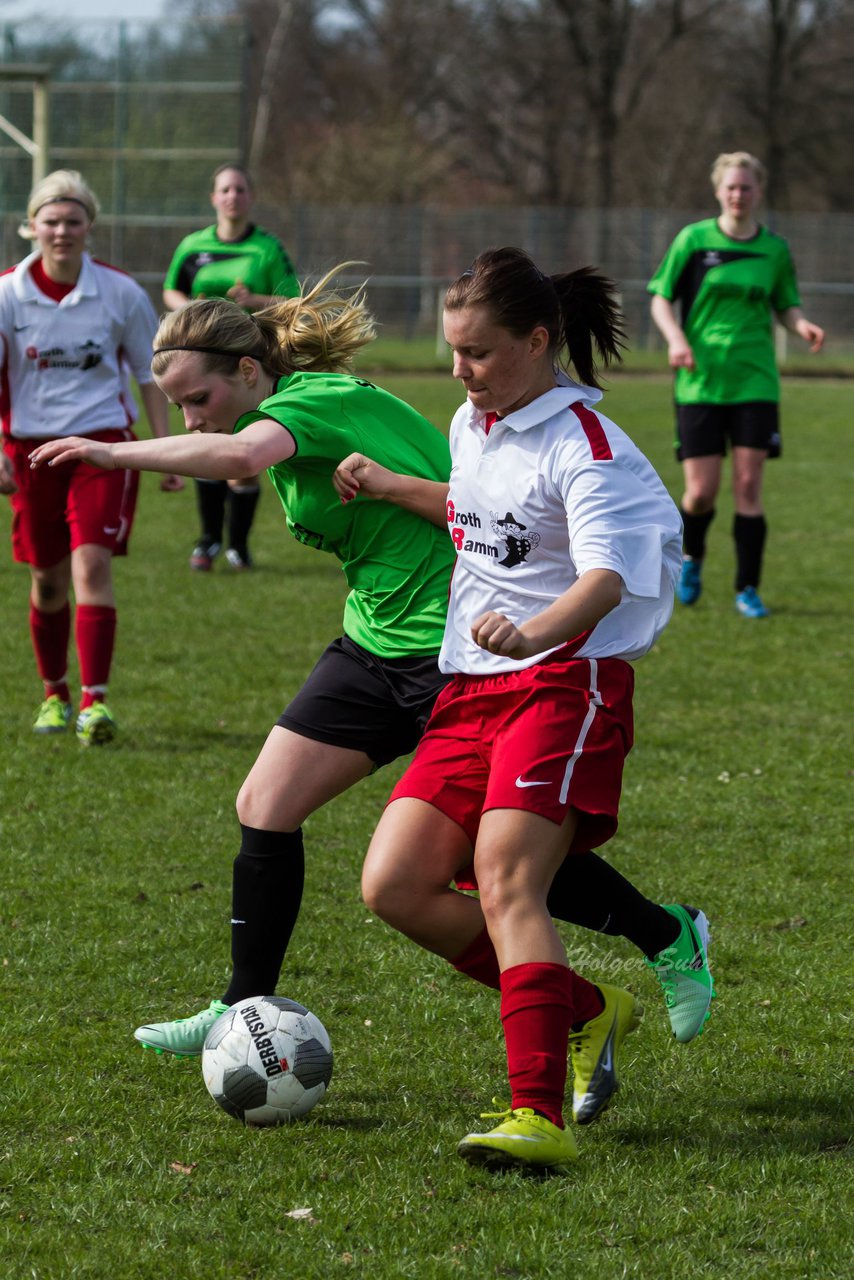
{"points": [[788, 1122]]}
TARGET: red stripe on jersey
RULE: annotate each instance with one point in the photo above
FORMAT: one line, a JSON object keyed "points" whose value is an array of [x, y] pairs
{"points": [[5, 394], [99, 262], [595, 432]]}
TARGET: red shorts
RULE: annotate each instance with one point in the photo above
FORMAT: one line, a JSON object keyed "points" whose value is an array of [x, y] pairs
{"points": [[545, 739], [58, 509]]}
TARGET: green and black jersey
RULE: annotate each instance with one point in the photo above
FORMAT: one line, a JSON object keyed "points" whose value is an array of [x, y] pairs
{"points": [[397, 565], [727, 290], [205, 265]]}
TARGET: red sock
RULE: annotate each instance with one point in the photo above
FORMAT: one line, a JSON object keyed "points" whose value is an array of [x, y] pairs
{"points": [[95, 633], [537, 1010], [479, 961], [49, 633]]}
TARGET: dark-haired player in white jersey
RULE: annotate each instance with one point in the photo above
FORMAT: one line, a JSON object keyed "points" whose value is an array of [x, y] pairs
{"points": [[568, 548]]}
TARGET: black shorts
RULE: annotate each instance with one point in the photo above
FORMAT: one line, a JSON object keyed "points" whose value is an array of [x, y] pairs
{"points": [[702, 430], [352, 698]]}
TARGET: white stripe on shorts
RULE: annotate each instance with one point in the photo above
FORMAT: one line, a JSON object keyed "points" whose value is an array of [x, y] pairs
{"points": [[596, 701]]}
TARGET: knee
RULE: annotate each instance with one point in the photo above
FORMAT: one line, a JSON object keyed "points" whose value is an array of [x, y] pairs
{"points": [[47, 595], [382, 892]]}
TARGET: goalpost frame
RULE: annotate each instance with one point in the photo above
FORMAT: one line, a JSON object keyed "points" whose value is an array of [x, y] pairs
{"points": [[37, 147]]}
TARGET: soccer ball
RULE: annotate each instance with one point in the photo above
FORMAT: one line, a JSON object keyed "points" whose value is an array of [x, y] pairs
{"points": [[267, 1060]]}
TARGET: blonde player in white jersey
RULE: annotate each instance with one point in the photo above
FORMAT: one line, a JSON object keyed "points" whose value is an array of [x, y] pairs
{"points": [[568, 550], [72, 329]]}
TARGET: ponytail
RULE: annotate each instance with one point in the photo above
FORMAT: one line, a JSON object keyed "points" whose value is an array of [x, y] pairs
{"points": [[319, 331], [579, 309]]}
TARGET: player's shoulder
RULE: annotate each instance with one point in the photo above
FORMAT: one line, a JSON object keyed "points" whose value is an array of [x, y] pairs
{"points": [[774, 239], [263, 236], [100, 264]]}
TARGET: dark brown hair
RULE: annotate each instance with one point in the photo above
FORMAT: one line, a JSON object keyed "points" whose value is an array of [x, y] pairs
{"points": [[578, 309]]}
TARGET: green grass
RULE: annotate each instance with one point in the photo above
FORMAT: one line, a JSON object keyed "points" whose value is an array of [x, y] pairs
{"points": [[392, 354], [728, 1157]]}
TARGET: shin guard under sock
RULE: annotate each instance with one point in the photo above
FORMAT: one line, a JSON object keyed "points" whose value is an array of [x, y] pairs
{"points": [[242, 503], [50, 633], [537, 1010], [587, 891], [269, 872], [211, 497], [694, 529], [749, 533]]}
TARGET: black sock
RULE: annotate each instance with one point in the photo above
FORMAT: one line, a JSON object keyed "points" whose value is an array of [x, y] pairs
{"points": [[589, 892], [749, 534], [242, 504], [267, 888], [210, 500], [694, 533]]}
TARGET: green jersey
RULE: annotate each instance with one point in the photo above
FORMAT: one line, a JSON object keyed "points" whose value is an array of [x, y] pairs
{"points": [[205, 265], [397, 565], [727, 290]]}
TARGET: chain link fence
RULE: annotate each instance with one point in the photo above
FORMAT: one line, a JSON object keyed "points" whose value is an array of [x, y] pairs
{"points": [[147, 111]]}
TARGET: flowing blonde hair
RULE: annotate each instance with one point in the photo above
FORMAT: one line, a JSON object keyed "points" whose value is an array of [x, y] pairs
{"points": [[62, 184], [319, 331]]}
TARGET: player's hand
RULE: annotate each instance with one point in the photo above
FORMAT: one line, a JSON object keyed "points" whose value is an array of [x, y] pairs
{"points": [[360, 474], [812, 334], [172, 484], [680, 355], [497, 634], [74, 449], [7, 476], [240, 294]]}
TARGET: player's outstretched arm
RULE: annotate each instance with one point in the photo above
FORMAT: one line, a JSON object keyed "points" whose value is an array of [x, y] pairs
{"points": [[358, 475], [208, 455]]}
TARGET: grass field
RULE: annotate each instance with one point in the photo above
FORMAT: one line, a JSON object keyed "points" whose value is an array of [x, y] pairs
{"points": [[729, 1157]]}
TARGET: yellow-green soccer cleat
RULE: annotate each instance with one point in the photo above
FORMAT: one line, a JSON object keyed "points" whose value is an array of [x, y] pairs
{"points": [[523, 1139], [96, 725], [185, 1037], [684, 974], [53, 716], [593, 1052]]}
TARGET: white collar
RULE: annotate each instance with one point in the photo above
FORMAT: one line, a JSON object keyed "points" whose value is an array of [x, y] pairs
{"points": [[546, 406], [26, 290]]}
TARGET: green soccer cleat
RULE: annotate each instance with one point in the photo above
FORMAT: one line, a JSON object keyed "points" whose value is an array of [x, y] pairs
{"points": [[184, 1038], [594, 1048], [96, 725], [683, 971], [523, 1139], [53, 716]]}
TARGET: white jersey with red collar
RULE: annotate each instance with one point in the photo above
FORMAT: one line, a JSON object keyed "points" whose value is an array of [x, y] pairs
{"points": [[65, 365], [552, 491]]}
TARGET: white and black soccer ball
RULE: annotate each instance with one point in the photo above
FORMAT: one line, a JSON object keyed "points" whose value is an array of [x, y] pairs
{"points": [[267, 1060]]}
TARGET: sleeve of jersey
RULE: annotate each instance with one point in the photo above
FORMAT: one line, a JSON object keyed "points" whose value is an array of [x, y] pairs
{"points": [[172, 279], [319, 435], [786, 292], [670, 269], [616, 522], [283, 277], [139, 330]]}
